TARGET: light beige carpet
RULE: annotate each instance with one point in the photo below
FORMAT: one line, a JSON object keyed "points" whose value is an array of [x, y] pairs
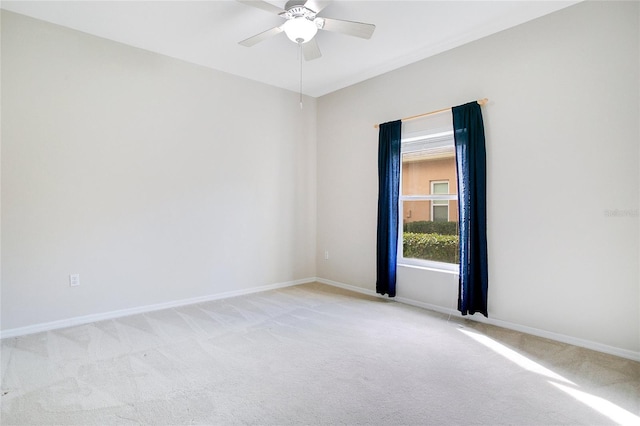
{"points": [[309, 354]]}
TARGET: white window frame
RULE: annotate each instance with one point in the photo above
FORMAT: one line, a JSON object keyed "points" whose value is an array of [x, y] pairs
{"points": [[413, 142]]}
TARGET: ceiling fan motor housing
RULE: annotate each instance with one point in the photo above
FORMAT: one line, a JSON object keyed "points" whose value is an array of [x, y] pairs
{"points": [[298, 11]]}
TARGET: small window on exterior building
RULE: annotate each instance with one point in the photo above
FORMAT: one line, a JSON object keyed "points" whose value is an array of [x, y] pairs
{"points": [[440, 208], [428, 202]]}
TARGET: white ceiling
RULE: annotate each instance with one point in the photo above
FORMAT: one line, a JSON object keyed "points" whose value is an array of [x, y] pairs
{"points": [[207, 33]]}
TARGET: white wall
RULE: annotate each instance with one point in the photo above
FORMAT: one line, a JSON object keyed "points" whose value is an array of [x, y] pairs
{"points": [[158, 180], [154, 179], [563, 137]]}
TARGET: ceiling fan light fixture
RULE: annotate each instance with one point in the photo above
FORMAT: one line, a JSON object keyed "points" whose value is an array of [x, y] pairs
{"points": [[300, 29]]}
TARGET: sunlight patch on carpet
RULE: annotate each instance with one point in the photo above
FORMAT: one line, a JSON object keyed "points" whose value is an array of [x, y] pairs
{"points": [[514, 356], [601, 405]]}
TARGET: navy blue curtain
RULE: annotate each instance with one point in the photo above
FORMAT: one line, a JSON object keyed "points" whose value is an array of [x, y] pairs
{"points": [[388, 191], [472, 207]]}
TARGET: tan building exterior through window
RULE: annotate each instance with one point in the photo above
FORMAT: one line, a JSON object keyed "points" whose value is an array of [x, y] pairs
{"points": [[430, 172]]}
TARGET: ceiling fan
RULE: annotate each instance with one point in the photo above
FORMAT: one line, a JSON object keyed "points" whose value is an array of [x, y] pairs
{"points": [[302, 24]]}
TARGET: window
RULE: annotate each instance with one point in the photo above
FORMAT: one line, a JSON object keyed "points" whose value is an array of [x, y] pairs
{"points": [[440, 208], [428, 201]]}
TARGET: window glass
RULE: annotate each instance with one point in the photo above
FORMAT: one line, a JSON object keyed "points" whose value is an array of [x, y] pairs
{"points": [[440, 213], [428, 201], [440, 188]]}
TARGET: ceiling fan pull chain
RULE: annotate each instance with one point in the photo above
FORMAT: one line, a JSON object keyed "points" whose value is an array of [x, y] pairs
{"points": [[300, 55]]}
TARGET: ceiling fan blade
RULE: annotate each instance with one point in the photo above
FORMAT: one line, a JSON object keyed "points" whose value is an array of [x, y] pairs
{"points": [[262, 36], [316, 5], [310, 50], [357, 29], [268, 7]]}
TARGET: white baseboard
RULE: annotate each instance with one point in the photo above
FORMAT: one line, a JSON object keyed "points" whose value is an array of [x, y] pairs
{"points": [[350, 287], [54, 325], [588, 344]]}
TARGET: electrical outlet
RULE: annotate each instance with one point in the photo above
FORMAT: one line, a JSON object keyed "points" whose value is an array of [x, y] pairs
{"points": [[74, 280], [326, 255]]}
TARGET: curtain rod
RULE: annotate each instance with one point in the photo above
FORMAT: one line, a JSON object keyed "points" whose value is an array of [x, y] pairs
{"points": [[426, 114]]}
